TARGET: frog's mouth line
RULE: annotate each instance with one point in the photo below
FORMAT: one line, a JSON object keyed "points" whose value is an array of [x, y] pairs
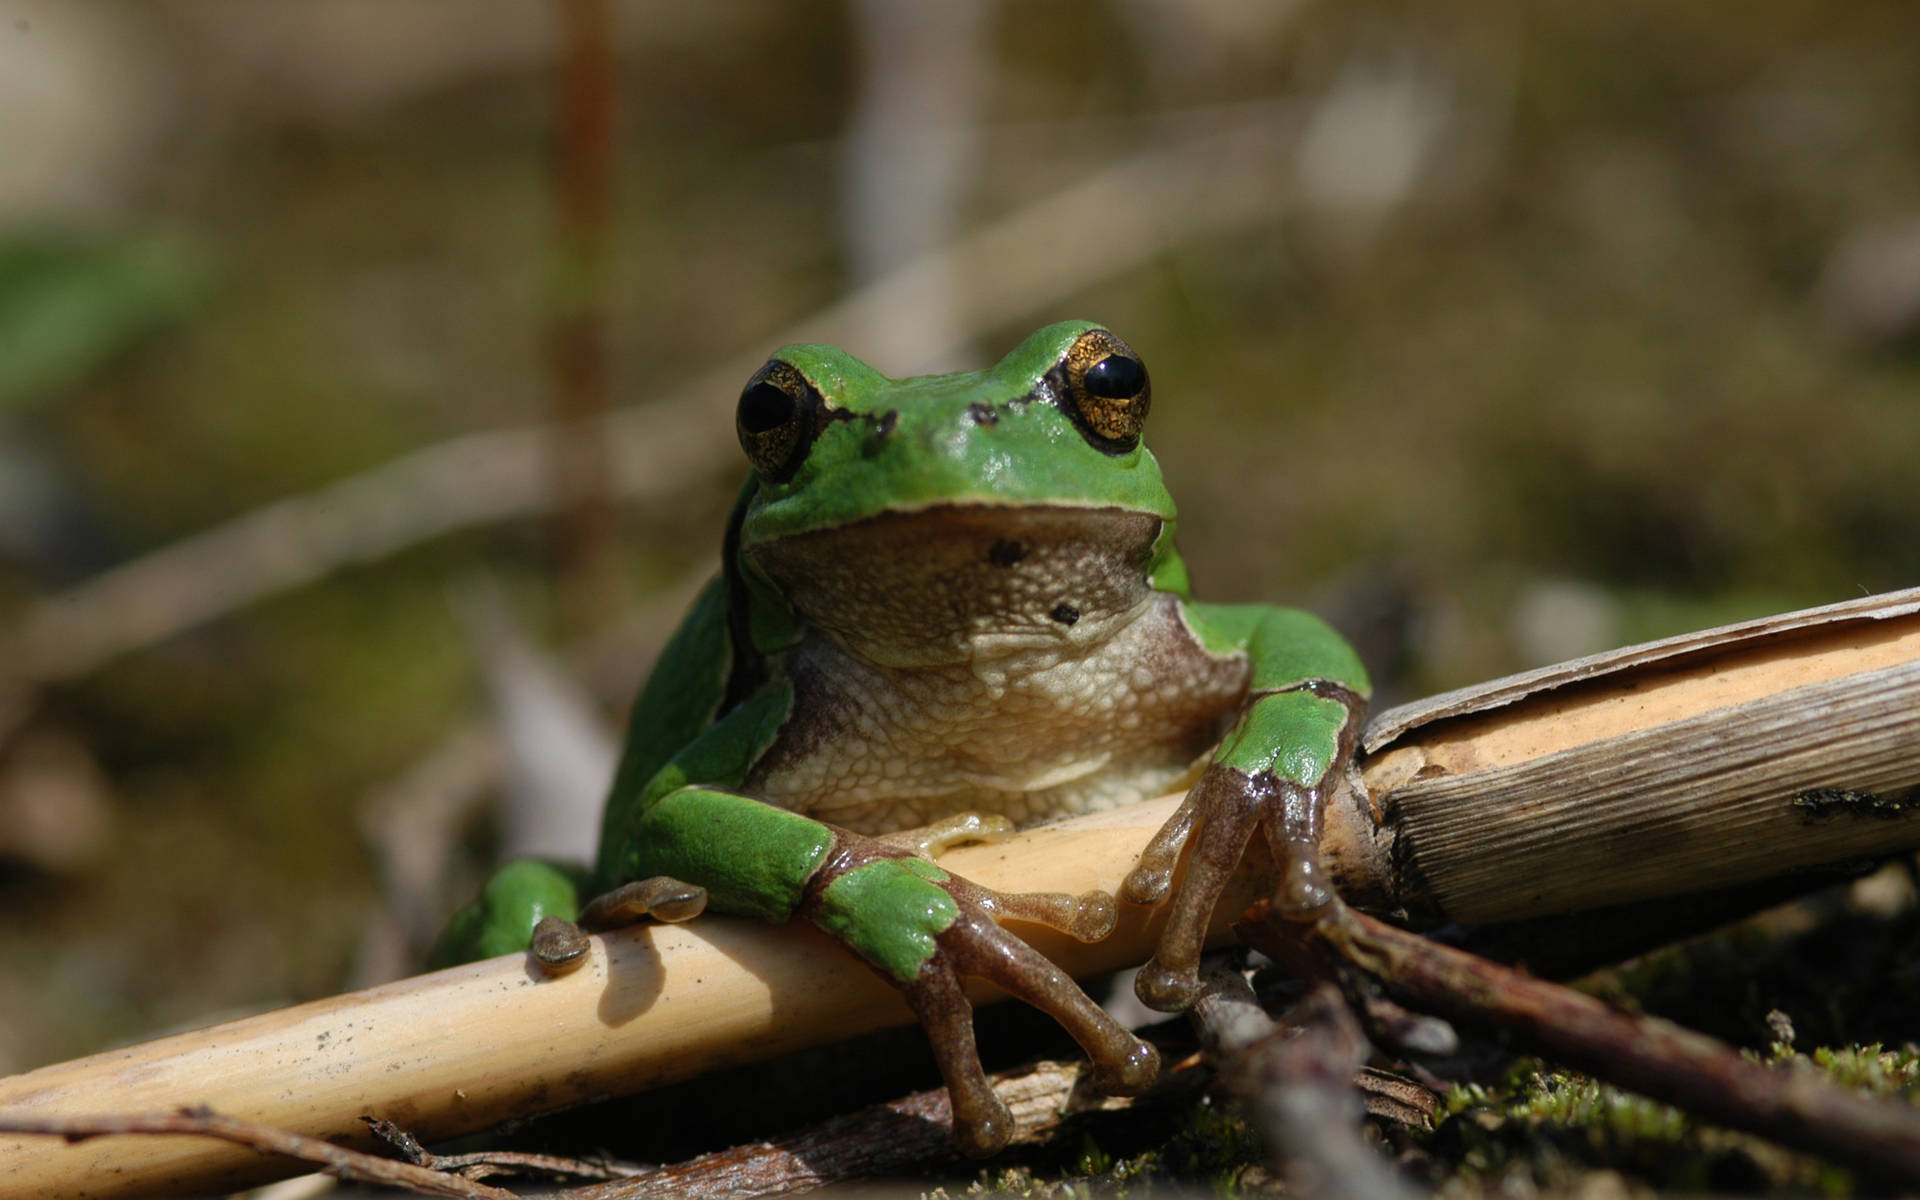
{"points": [[930, 586]]}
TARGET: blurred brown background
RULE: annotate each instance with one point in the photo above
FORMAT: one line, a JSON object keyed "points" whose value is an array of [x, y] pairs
{"points": [[1499, 335]]}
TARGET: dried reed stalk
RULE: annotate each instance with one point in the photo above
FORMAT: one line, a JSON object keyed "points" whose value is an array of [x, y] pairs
{"points": [[1708, 760]]}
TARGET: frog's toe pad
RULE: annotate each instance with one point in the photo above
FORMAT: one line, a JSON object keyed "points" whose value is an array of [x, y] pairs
{"points": [[1164, 988], [1304, 894], [558, 946], [1147, 884], [1133, 1074], [1094, 916], [984, 1134]]}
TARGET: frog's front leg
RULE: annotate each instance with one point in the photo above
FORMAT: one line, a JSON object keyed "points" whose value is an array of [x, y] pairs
{"points": [[1275, 770], [926, 929], [919, 926]]}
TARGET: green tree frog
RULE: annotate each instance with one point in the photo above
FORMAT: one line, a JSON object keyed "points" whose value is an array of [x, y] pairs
{"points": [[950, 605]]}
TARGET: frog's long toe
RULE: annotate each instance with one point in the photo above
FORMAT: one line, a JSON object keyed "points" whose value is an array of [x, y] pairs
{"points": [[1152, 876], [661, 897], [1088, 917], [561, 946], [931, 841], [982, 1125], [1225, 813], [1166, 988], [974, 945]]}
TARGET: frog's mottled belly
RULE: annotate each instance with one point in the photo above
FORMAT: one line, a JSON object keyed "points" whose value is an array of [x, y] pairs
{"points": [[1036, 733]]}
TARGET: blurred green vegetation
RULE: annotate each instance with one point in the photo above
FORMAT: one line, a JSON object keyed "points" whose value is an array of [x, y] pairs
{"points": [[1598, 344], [67, 306]]}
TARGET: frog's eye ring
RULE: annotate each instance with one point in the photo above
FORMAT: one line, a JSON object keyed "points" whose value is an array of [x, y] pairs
{"points": [[1107, 391], [776, 419]]}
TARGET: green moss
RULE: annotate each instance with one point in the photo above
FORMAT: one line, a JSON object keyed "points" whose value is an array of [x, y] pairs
{"points": [[1553, 1127], [1872, 1069]]}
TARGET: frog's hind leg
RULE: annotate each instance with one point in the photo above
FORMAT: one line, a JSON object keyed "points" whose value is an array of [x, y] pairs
{"points": [[560, 945]]}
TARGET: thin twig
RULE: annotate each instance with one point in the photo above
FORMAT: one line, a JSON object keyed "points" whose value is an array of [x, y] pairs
{"points": [[483, 1163], [335, 1160], [909, 1134], [1795, 1106], [580, 463]]}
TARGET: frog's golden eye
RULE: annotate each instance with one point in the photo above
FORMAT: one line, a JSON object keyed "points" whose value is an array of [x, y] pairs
{"points": [[776, 419], [1107, 391]]}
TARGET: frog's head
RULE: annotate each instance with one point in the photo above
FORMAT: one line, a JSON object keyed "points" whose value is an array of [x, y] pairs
{"points": [[920, 519]]}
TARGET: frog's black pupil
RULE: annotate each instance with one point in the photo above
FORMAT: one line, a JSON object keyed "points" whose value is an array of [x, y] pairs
{"points": [[1116, 377], [765, 406]]}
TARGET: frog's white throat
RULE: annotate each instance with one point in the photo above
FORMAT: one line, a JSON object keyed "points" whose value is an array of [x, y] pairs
{"points": [[1002, 588], [938, 674]]}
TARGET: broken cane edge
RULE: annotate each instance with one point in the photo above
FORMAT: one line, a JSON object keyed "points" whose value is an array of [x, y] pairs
{"points": [[1698, 762]]}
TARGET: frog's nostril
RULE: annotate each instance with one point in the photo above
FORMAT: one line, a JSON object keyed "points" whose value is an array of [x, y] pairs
{"points": [[1065, 613]]}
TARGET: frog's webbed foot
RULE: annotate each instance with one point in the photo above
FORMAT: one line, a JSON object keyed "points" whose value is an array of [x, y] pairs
{"points": [[927, 929], [1214, 824], [560, 946]]}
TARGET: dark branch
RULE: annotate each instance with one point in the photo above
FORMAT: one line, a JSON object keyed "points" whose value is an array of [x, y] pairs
{"points": [[1796, 1106]]}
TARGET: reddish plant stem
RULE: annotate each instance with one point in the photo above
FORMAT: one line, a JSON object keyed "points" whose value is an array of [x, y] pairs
{"points": [[581, 468]]}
